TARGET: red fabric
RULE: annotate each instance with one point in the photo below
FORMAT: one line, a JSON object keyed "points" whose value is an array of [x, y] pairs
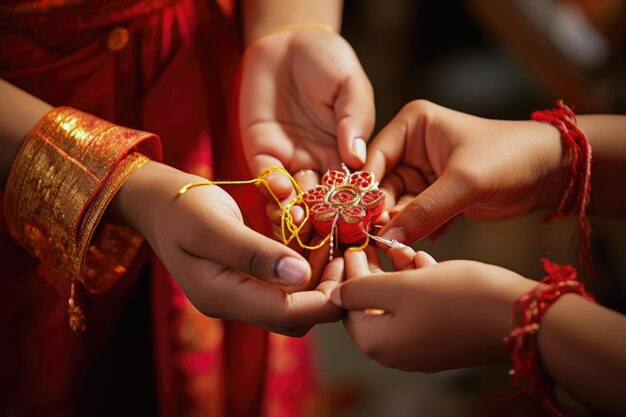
{"points": [[174, 77]]}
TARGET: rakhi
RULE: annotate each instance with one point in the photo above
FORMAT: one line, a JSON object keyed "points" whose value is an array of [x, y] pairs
{"points": [[341, 209]]}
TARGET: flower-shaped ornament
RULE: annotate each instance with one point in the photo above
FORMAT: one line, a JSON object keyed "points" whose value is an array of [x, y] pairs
{"points": [[351, 203]]}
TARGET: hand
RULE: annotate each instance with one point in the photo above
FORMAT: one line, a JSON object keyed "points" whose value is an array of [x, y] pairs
{"points": [[226, 269], [305, 104], [440, 316], [445, 163]]}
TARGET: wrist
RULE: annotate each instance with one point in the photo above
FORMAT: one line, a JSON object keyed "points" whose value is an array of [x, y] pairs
{"points": [[289, 30], [557, 162], [529, 311], [261, 18], [148, 192], [508, 288]]}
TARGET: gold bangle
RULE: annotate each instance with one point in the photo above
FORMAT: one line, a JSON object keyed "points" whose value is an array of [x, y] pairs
{"points": [[68, 169]]}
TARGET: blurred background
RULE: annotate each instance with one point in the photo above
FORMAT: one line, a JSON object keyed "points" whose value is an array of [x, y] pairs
{"points": [[497, 59]]}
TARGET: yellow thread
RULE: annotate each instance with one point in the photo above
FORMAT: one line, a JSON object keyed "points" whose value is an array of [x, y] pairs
{"points": [[363, 246], [287, 223]]}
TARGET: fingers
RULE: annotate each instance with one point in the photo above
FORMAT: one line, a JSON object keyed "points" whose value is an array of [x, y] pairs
{"points": [[279, 183], [354, 110], [307, 179], [393, 187], [376, 291], [443, 199], [318, 258], [233, 244], [423, 259], [307, 308], [334, 274], [404, 181], [223, 293], [406, 258], [387, 148], [358, 264], [373, 259], [371, 330], [406, 131], [402, 258]]}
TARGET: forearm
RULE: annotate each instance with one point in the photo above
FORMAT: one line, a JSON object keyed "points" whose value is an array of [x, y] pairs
{"points": [[606, 134], [19, 112], [583, 347], [262, 16]]}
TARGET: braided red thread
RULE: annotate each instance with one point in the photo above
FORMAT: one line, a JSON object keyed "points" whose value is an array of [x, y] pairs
{"points": [[528, 311], [576, 197]]}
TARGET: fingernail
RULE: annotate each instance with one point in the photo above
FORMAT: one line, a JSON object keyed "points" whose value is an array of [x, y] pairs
{"points": [[395, 233], [279, 182], [406, 251], [292, 271], [335, 296], [297, 213], [359, 147]]}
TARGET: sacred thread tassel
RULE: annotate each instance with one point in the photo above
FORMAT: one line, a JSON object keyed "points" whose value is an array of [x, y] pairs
{"points": [[528, 311], [576, 197]]}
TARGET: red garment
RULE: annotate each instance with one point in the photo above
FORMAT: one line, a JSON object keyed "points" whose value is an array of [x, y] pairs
{"points": [[164, 66]]}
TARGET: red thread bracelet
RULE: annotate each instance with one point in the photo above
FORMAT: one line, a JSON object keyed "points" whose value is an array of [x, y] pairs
{"points": [[576, 197], [528, 311]]}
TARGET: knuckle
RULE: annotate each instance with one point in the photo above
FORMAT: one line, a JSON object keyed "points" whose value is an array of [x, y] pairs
{"points": [[418, 106], [470, 177], [422, 210], [252, 261]]}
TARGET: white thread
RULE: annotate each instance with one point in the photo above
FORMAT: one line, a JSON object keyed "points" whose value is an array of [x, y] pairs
{"points": [[392, 243], [333, 231]]}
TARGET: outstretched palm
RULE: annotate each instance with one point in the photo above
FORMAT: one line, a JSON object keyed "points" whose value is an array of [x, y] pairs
{"points": [[304, 100]]}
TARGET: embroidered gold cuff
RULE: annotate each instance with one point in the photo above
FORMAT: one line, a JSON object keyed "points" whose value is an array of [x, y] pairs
{"points": [[69, 167]]}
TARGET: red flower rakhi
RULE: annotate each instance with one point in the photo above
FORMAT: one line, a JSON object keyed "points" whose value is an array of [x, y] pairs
{"points": [[345, 202]]}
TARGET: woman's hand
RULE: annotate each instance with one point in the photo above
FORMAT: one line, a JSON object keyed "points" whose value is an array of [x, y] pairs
{"points": [[439, 163], [440, 316], [305, 104], [226, 269]]}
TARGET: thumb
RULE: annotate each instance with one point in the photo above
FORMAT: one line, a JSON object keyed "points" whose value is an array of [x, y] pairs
{"points": [[354, 110], [370, 292], [237, 246], [442, 200]]}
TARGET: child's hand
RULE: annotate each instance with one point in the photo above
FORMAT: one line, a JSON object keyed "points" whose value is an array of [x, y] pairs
{"points": [[441, 316], [226, 269], [438, 163], [305, 104]]}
